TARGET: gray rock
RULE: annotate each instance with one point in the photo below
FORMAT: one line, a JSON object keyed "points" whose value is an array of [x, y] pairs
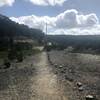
{"points": [[79, 84], [55, 65], [60, 66], [80, 88], [62, 71], [90, 97], [69, 78]]}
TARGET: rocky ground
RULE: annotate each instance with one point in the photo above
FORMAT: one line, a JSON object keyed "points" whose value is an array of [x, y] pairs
{"points": [[81, 70], [33, 79], [15, 82], [52, 76]]}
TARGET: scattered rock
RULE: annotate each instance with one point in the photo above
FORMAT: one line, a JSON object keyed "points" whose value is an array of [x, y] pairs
{"points": [[56, 72], [62, 71], [70, 70], [74, 88], [90, 97], [55, 65], [80, 88], [79, 84], [60, 66], [69, 78]]}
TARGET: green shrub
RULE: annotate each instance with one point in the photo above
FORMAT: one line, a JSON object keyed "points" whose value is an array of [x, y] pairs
{"points": [[19, 56], [7, 63], [11, 55]]}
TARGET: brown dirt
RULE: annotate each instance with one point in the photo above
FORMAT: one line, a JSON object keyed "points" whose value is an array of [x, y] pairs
{"points": [[33, 79]]}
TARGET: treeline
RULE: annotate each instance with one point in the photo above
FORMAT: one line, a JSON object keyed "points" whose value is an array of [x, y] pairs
{"points": [[78, 42], [17, 41], [9, 30]]}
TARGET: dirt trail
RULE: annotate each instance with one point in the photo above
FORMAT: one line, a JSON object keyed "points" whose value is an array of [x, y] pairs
{"points": [[47, 85], [32, 79]]}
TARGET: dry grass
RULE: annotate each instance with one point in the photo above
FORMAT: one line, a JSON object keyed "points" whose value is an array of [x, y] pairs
{"points": [[84, 68]]}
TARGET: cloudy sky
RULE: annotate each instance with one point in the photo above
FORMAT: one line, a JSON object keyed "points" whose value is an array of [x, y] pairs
{"points": [[73, 17]]}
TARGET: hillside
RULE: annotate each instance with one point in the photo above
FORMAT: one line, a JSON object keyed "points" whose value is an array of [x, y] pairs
{"points": [[11, 30], [79, 42]]}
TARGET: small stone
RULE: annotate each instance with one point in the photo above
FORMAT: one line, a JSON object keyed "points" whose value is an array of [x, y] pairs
{"points": [[80, 88], [60, 66], [69, 78], [62, 71], [79, 84], [55, 65], [56, 72], [70, 70], [74, 88]]}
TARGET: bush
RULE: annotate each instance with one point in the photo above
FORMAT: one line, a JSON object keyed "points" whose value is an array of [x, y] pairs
{"points": [[69, 49], [7, 63], [19, 56], [11, 55]]}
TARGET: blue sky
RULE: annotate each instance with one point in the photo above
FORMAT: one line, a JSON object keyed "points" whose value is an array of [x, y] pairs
{"points": [[23, 8], [63, 16]]}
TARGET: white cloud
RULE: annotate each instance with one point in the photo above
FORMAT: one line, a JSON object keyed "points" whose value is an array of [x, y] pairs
{"points": [[47, 2], [87, 20], [68, 22], [78, 31], [35, 2], [67, 19], [71, 19], [6, 2], [35, 21]]}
